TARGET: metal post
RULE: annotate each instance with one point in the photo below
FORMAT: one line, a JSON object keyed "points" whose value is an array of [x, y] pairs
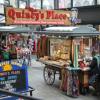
{"points": [[31, 93], [95, 2], [41, 4], [6, 92], [71, 3], [56, 4]]}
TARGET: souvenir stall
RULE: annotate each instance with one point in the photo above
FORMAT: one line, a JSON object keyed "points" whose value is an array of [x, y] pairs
{"points": [[13, 70], [13, 44], [69, 54]]}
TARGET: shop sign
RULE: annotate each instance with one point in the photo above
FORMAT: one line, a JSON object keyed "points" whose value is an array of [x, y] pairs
{"points": [[36, 16], [13, 76]]}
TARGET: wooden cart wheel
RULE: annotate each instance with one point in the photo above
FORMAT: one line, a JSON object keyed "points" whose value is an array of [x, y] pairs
{"points": [[49, 75]]}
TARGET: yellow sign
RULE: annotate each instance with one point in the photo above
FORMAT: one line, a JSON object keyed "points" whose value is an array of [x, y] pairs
{"points": [[7, 67]]}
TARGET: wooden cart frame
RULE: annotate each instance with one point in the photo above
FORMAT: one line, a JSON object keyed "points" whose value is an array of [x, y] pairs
{"points": [[50, 70]]}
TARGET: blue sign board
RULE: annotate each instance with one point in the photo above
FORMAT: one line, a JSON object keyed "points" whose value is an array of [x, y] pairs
{"points": [[13, 76]]}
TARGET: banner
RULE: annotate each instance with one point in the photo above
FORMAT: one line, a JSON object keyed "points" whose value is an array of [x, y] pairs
{"points": [[36, 17]]}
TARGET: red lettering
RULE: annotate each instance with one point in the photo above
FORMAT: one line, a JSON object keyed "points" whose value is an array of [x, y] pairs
{"points": [[61, 16], [56, 16], [53, 15], [65, 16], [23, 15], [49, 14], [42, 15], [27, 15], [11, 13], [36, 16], [18, 14], [32, 15]]}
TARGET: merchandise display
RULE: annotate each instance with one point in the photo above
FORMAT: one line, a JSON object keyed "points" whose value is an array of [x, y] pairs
{"points": [[13, 67], [60, 48], [73, 83], [70, 57], [15, 48]]}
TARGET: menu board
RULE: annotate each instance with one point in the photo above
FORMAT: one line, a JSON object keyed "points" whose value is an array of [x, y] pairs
{"points": [[13, 80], [13, 77]]}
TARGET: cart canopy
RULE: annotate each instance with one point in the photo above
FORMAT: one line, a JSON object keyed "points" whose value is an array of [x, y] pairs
{"points": [[13, 29], [70, 31]]}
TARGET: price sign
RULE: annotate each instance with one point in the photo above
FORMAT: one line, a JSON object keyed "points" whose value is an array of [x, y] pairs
{"points": [[13, 77]]}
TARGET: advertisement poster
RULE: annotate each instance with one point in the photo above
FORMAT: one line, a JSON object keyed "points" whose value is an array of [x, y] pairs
{"points": [[13, 76]]}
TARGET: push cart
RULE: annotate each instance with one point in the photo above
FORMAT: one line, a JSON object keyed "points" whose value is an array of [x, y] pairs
{"points": [[70, 44], [49, 72]]}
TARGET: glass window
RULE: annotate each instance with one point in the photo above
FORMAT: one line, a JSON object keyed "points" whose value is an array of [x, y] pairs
{"points": [[13, 3], [22, 4], [98, 2], [1, 9], [77, 3], [64, 3], [1, 1], [6, 2], [35, 4], [48, 4]]}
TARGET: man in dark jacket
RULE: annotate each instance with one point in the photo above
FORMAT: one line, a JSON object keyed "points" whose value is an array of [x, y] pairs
{"points": [[95, 65], [95, 73]]}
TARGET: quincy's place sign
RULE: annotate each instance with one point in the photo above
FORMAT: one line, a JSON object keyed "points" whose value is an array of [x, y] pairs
{"points": [[36, 16]]}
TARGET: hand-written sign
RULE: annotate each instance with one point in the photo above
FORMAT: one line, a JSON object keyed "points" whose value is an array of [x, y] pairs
{"points": [[13, 80], [36, 16]]}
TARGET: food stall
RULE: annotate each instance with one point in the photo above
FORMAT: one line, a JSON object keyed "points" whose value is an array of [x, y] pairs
{"points": [[67, 48], [13, 70]]}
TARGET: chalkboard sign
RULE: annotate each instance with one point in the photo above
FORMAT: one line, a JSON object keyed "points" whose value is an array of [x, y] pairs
{"points": [[13, 77]]}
